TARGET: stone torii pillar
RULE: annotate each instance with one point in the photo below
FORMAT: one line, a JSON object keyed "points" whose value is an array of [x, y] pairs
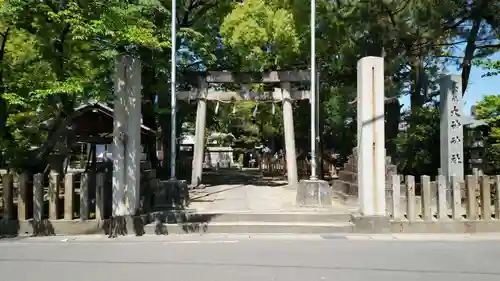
{"points": [[288, 126], [371, 136], [199, 144], [126, 145]]}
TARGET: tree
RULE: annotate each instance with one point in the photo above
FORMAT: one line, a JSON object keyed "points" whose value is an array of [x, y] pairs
{"points": [[71, 49], [489, 110], [492, 67], [55, 54]]}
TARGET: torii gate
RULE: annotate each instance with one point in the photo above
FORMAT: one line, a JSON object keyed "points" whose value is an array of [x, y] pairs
{"points": [[285, 93], [127, 122]]}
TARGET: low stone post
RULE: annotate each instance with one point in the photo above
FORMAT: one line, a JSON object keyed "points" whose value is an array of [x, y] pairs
{"points": [[410, 198], [456, 199], [84, 196], [471, 182], [69, 195], [497, 197], [8, 195], [426, 198], [54, 182], [25, 197], [442, 190], [396, 197], [485, 198], [38, 197], [99, 197]]}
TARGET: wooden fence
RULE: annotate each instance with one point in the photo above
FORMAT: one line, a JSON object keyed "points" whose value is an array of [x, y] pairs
{"points": [[83, 196], [476, 198]]}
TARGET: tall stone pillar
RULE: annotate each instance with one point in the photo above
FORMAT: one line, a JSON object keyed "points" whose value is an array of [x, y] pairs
{"points": [[291, 159], [199, 144], [371, 136], [451, 127], [127, 137]]}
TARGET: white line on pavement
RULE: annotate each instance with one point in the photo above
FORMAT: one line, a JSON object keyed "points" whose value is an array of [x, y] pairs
{"points": [[425, 237], [76, 241]]}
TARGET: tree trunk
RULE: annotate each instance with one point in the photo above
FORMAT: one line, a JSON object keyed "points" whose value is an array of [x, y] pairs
{"points": [[471, 47]]}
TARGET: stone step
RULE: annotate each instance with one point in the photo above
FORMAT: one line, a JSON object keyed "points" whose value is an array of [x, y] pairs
{"points": [[391, 170], [351, 164], [350, 167], [145, 165], [348, 176], [388, 160], [250, 227], [186, 216], [345, 187]]}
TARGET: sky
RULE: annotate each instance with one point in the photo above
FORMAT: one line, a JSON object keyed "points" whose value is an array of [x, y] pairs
{"points": [[478, 86]]}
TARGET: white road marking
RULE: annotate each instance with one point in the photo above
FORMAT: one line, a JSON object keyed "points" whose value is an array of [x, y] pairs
{"points": [[52, 242], [201, 242], [425, 237]]}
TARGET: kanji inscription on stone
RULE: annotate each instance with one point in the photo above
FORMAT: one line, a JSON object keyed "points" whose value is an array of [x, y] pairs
{"points": [[451, 127]]}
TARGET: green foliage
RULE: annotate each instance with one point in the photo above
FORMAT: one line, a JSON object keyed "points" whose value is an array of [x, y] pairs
{"points": [[493, 67], [252, 124], [489, 110], [58, 54], [418, 146], [259, 35]]}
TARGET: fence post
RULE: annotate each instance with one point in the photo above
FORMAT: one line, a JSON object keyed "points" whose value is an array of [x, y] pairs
{"points": [[69, 195], [23, 199], [471, 197], [84, 196], [497, 197], [457, 200], [38, 197], [485, 198], [475, 171], [396, 197], [99, 197], [426, 198], [442, 204], [8, 195], [410, 198], [54, 182]]}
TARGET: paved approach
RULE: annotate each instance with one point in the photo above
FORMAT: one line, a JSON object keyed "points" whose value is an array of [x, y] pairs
{"points": [[231, 258], [248, 191]]}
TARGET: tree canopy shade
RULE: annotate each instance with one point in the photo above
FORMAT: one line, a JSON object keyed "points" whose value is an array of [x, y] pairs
{"points": [[58, 54]]}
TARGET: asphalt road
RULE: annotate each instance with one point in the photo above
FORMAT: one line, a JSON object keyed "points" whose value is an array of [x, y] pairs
{"points": [[231, 258]]}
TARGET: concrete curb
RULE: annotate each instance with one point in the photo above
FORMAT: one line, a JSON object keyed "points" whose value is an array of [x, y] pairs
{"points": [[234, 238], [294, 222]]}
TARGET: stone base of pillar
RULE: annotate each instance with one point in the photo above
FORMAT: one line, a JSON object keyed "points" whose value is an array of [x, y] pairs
{"points": [[371, 224], [291, 186], [196, 186], [125, 225], [171, 194], [8, 228], [314, 193]]}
